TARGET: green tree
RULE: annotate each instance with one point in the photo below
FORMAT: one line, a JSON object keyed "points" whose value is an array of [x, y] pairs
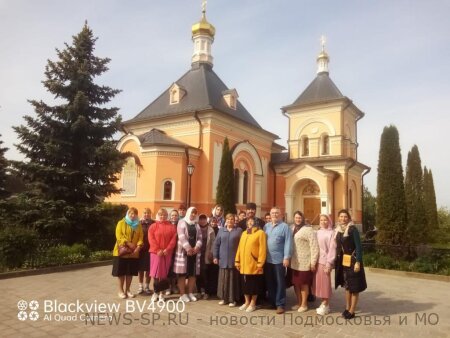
{"points": [[429, 199], [369, 209], [71, 157], [391, 206], [3, 171], [417, 220], [225, 186]]}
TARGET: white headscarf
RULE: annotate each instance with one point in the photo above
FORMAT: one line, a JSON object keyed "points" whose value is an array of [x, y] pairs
{"points": [[343, 228], [187, 217]]}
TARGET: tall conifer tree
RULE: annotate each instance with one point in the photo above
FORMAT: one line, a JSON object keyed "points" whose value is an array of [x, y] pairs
{"points": [[391, 206], [71, 157], [429, 197], [3, 171], [225, 186], [417, 220]]}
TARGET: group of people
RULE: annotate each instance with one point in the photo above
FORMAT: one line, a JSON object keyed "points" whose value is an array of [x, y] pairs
{"points": [[239, 257]]}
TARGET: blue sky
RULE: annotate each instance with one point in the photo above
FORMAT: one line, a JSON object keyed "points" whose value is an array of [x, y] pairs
{"points": [[392, 58]]}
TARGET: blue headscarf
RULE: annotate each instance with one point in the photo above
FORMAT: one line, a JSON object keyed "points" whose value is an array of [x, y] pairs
{"points": [[133, 224]]}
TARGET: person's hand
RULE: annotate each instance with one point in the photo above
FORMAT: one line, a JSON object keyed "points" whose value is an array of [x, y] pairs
{"points": [[313, 267], [160, 253], [164, 252], [238, 266], [216, 261], [327, 270], [357, 267], [285, 263], [259, 270], [137, 249], [131, 245], [196, 251]]}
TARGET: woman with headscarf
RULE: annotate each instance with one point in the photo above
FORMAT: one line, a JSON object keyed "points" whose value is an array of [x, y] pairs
{"points": [[349, 272], [162, 236], [327, 254], [217, 212], [304, 259], [129, 241], [250, 259], [225, 248], [188, 255]]}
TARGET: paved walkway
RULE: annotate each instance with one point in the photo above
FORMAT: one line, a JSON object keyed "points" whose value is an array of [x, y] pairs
{"points": [[392, 306]]}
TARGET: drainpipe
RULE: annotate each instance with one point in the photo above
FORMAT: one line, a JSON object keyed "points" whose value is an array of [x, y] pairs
{"points": [[200, 130], [346, 182], [362, 193], [186, 151], [274, 184]]}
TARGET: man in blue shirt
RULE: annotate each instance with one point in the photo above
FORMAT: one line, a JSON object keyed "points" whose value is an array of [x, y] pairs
{"points": [[279, 251]]}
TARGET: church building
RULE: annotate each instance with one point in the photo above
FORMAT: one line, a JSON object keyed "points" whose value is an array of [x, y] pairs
{"points": [[175, 146]]}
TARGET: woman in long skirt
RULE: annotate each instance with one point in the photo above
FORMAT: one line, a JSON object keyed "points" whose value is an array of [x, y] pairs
{"points": [[162, 236], [224, 252], [327, 253]]}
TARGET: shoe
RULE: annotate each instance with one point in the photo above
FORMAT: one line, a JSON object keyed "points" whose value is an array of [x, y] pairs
{"points": [[192, 297], [205, 296], [140, 289], [147, 290], [160, 298], [154, 298], [184, 298], [344, 313], [280, 310], [302, 309], [232, 304], [222, 302], [122, 295], [168, 293], [295, 307], [243, 307], [250, 309], [175, 290], [323, 310], [130, 294], [349, 315]]}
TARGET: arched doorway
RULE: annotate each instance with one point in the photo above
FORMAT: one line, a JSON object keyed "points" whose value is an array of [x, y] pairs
{"points": [[307, 199]]}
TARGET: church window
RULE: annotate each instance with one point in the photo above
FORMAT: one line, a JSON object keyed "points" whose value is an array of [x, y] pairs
{"points": [[245, 188], [236, 185], [325, 144], [305, 146], [168, 190]]}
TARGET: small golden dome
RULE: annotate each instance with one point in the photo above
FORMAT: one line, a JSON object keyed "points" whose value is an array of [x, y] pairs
{"points": [[203, 27], [323, 55]]}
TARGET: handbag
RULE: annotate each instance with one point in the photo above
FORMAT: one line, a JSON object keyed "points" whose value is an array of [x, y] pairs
{"points": [[347, 259], [125, 249]]}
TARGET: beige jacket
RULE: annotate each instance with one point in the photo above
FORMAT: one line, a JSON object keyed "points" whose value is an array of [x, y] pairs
{"points": [[305, 249]]}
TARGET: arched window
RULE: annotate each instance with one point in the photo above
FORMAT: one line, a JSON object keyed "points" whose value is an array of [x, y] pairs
{"points": [[236, 185], [167, 190], [245, 190], [305, 146], [129, 177], [325, 144]]}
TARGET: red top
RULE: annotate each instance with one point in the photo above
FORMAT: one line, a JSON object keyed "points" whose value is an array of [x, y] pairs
{"points": [[162, 235]]}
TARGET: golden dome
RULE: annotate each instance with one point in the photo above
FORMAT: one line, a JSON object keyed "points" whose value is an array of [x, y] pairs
{"points": [[203, 27], [323, 55]]}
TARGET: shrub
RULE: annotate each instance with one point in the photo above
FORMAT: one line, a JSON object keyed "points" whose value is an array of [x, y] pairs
{"points": [[101, 255], [16, 243]]}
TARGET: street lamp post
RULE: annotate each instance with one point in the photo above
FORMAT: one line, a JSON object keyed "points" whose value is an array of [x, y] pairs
{"points": [[190, 170]]}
